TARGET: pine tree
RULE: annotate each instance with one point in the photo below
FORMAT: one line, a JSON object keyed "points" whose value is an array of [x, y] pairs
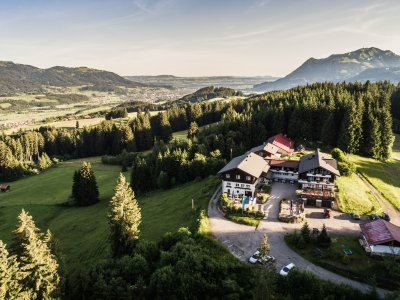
{"points": [[38, 265], [165, 128], [264, 247], [84, 187], [10, 275], [193, 130], [323, 238], [124, 218], [305, 232]]}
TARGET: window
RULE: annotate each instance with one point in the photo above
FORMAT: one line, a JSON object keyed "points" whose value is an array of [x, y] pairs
{"points": [[248, 178], [242, 185], [228, 175], [247, 185], [237, 184], [237, 176], [228, 184]]}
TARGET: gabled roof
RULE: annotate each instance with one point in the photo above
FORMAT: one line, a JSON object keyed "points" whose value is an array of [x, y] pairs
{"points": [[284, 163], [282, 141], [267, 147], [380, 232], [318, 160], [249, 163]]}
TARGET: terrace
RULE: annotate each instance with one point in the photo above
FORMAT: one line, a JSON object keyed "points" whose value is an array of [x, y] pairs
{"points": [[317, 193]]}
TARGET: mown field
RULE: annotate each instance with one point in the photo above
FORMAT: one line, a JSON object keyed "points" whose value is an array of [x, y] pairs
{"points": [[384, 176], [354, 196], [82, 232]]}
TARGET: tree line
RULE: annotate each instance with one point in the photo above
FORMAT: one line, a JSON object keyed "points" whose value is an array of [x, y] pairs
{"points": [[354, 117]]}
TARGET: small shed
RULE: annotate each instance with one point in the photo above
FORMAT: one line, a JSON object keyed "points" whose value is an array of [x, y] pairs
{"points": [[380, 237], [5, 188]]}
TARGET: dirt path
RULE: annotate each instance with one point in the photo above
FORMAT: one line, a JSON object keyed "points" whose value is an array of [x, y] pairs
{"points": [[386, 205], [242, 240]]}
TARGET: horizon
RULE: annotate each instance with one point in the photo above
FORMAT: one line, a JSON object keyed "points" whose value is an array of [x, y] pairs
{"points": [[192, 39]]}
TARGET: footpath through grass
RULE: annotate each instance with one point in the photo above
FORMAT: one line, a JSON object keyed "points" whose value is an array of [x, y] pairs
{"points": [[82, 232], [384, 176]]}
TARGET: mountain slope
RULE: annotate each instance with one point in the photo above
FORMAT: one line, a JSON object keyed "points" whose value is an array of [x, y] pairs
{"points": [[336, 68], [24, 78]]}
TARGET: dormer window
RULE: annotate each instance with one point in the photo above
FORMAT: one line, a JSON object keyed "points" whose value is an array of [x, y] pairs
{"points": [[237, 176], [248, 178], [228, 175]]}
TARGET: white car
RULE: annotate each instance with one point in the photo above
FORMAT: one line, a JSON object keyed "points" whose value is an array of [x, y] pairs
{"points": [[286, 269], [255, 257]]}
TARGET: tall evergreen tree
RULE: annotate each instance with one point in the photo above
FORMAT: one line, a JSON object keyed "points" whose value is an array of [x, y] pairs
{"points": [[193, 130], [38, 265], [84, 187], [124, 218], [10, 275]]}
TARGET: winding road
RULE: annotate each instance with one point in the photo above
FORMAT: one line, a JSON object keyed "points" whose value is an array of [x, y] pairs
{"points": [[242, 240]]}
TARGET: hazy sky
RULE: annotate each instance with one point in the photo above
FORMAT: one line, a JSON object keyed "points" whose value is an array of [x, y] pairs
{"points": [[192, 37]]}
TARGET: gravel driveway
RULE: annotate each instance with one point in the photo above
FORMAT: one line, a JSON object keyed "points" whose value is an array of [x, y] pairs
{"points": [[242, 240]]}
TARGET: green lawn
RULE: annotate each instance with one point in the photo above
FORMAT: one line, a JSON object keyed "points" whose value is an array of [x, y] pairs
{"points": [[180, 135], [358, 265], [385, 176], [82, 231], [354, 196]]}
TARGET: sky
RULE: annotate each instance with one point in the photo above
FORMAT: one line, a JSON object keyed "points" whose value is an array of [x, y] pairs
{"points": [[192, 37]]}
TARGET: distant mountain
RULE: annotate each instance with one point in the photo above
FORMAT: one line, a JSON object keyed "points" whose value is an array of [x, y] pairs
{"points": [[24, 78], [364, 64]]}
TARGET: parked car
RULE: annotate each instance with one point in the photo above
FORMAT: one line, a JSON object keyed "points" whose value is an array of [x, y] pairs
{"points": [[266, 259], [255, 257], [355, 216], [286, 269], [374, 217], [386, 217]]}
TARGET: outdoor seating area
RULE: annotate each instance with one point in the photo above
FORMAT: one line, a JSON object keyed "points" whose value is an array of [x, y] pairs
{"points": [[317, 193], [291, 211]]}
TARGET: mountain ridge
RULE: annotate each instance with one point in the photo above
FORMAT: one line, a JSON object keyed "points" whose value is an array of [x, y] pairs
{"points": [[338, 68], [16, 78]]}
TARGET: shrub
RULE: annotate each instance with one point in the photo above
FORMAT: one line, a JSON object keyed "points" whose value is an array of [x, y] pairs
{"points": [[323, 238], [345, 259], [306, 233]]}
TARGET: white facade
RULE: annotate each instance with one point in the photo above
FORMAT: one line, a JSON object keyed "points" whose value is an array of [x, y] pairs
{"points": [[237, 188], [285, 175]]}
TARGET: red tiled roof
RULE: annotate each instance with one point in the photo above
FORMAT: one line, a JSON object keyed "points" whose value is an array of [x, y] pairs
{"points": [[284, 163], [282, 142], [380, 231]]}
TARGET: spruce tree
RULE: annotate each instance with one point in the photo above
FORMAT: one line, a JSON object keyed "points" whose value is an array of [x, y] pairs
{"points": [[39, 267], [10, 275], [264, 247], [124, 218], [84, 188], [193, 130]]}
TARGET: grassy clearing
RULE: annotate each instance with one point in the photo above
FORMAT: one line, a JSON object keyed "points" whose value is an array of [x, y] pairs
{"points": [[358, 266], [83, 232], [354, 196], [180, 135], [384, 176]]}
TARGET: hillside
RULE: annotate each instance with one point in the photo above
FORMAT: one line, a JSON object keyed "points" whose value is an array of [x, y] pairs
{"points": [[18, 78], [364, 64], [207, 93]]}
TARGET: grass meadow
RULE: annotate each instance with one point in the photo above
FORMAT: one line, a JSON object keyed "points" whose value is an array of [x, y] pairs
{"points": [[82, 232], [384, 176]]}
